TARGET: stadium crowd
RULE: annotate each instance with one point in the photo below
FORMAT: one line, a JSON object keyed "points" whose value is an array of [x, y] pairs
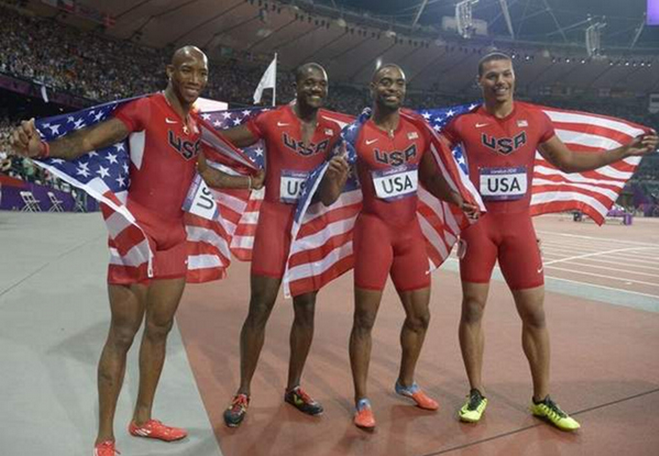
{"points": [[97, 68]]}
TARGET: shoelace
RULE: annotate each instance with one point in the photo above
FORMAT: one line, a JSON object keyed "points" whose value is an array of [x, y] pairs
{"points": [[475, 399], [553, 407], [105, 444], [239, 403], [303, 395]]}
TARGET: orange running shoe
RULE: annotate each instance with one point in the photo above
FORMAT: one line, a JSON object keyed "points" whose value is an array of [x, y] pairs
{"points": [[105, 449], [364, 418], [154, 429], [414, 392]]}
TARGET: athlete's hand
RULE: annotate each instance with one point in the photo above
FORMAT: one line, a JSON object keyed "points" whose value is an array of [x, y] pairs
{"points": [[472, 211], [643, 144], [338, 166], [202, 164], [258, 179], [25, 140]]}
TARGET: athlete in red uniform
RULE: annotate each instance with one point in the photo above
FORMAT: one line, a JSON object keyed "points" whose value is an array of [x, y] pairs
{"points": [[171, 148], [500, 139], [298, 138], [387, 236]]}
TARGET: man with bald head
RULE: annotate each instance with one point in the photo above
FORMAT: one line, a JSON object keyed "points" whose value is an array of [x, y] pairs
{"points": [[158, 187], [387, 239], [298, 138]]}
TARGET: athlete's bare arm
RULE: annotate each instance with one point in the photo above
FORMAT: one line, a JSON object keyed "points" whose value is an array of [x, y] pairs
{"points": [[435, 183], [569, 161], [25, 140], [335, 178], [219, 179], [239, 136]]}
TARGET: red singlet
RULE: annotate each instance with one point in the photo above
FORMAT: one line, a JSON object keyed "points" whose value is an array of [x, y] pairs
{"points": [[160, 176], [288, 163], [387, 237], [500, 154]]}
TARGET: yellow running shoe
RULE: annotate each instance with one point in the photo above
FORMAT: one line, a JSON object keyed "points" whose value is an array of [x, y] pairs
{"points": [[550, 410], [473, 409]]}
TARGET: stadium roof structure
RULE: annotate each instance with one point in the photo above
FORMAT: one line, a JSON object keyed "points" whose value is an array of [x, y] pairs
{"points": [[349, 37]]}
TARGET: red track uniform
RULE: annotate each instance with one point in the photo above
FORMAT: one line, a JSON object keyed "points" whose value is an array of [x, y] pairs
{"points": [[387, 236], [501, 154], [159, 181], [288, 163]]}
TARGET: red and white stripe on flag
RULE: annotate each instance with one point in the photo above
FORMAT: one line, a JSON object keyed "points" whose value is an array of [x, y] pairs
{"points": [[322, 249], [591, 192]]}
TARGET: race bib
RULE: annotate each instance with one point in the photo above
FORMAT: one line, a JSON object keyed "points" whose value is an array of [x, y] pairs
{"points": [[503, 184], [200, 201], [395, 183], [291, 185]]}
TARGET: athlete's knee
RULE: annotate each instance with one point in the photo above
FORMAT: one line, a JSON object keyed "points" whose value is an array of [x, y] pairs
{"points": [[418, 323], [157, 331], [534, 317], [473, 310], [364, 320], [304, 313], [121, 335], [259, 312]]}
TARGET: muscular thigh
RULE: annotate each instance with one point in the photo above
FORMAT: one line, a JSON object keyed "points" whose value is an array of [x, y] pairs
{"points": [[373, 252], [519, 254], [272, 240], [409, 270], [478, 251]]}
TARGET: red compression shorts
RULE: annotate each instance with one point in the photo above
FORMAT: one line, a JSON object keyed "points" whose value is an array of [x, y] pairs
{"points": [[381, 249], [272, 239], [167, 239], [511, 239]]}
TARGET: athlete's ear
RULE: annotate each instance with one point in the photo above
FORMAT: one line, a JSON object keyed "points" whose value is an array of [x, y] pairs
{"points": [[169, 69]]}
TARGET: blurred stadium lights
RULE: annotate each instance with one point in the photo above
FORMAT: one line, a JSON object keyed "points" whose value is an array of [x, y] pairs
{"points": [[464, 19], [593, 39]]}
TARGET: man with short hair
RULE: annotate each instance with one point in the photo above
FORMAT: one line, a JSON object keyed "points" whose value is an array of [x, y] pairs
{"points": [[387, 239], [298, 137], [500, 139], [155, 197]]}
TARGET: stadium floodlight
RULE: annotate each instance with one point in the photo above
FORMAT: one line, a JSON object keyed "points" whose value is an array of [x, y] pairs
{"points": [[464, 19], [593, 39]]}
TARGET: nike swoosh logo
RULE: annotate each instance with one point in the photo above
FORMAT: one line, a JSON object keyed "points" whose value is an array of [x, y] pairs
{"points": [[540, 270], [281, 124], [370, 141], [479, 125], [170, 121]]}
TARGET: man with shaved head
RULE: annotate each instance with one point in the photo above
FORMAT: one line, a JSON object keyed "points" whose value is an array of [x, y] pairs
{"points": [[387, 240], [158, 186], [298, 138]]}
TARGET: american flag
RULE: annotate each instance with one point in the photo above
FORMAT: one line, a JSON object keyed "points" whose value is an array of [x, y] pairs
{"points": [[231, 227], [321, 247], [104, 174], [591, 192]]}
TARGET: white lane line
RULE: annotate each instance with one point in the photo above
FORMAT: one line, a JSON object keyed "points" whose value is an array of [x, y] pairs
{"points": [[619, 270], [587, 255], [622, 290], [593, 238], [610, 253], [599, 260], [652, 284], [580, 282], [643, 252]]}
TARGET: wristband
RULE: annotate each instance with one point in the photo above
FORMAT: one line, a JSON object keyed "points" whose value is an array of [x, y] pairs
{"points": [[45, 150]]}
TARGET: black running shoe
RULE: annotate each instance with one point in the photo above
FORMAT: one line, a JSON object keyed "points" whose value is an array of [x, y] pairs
{"points": [[303, 402]]}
